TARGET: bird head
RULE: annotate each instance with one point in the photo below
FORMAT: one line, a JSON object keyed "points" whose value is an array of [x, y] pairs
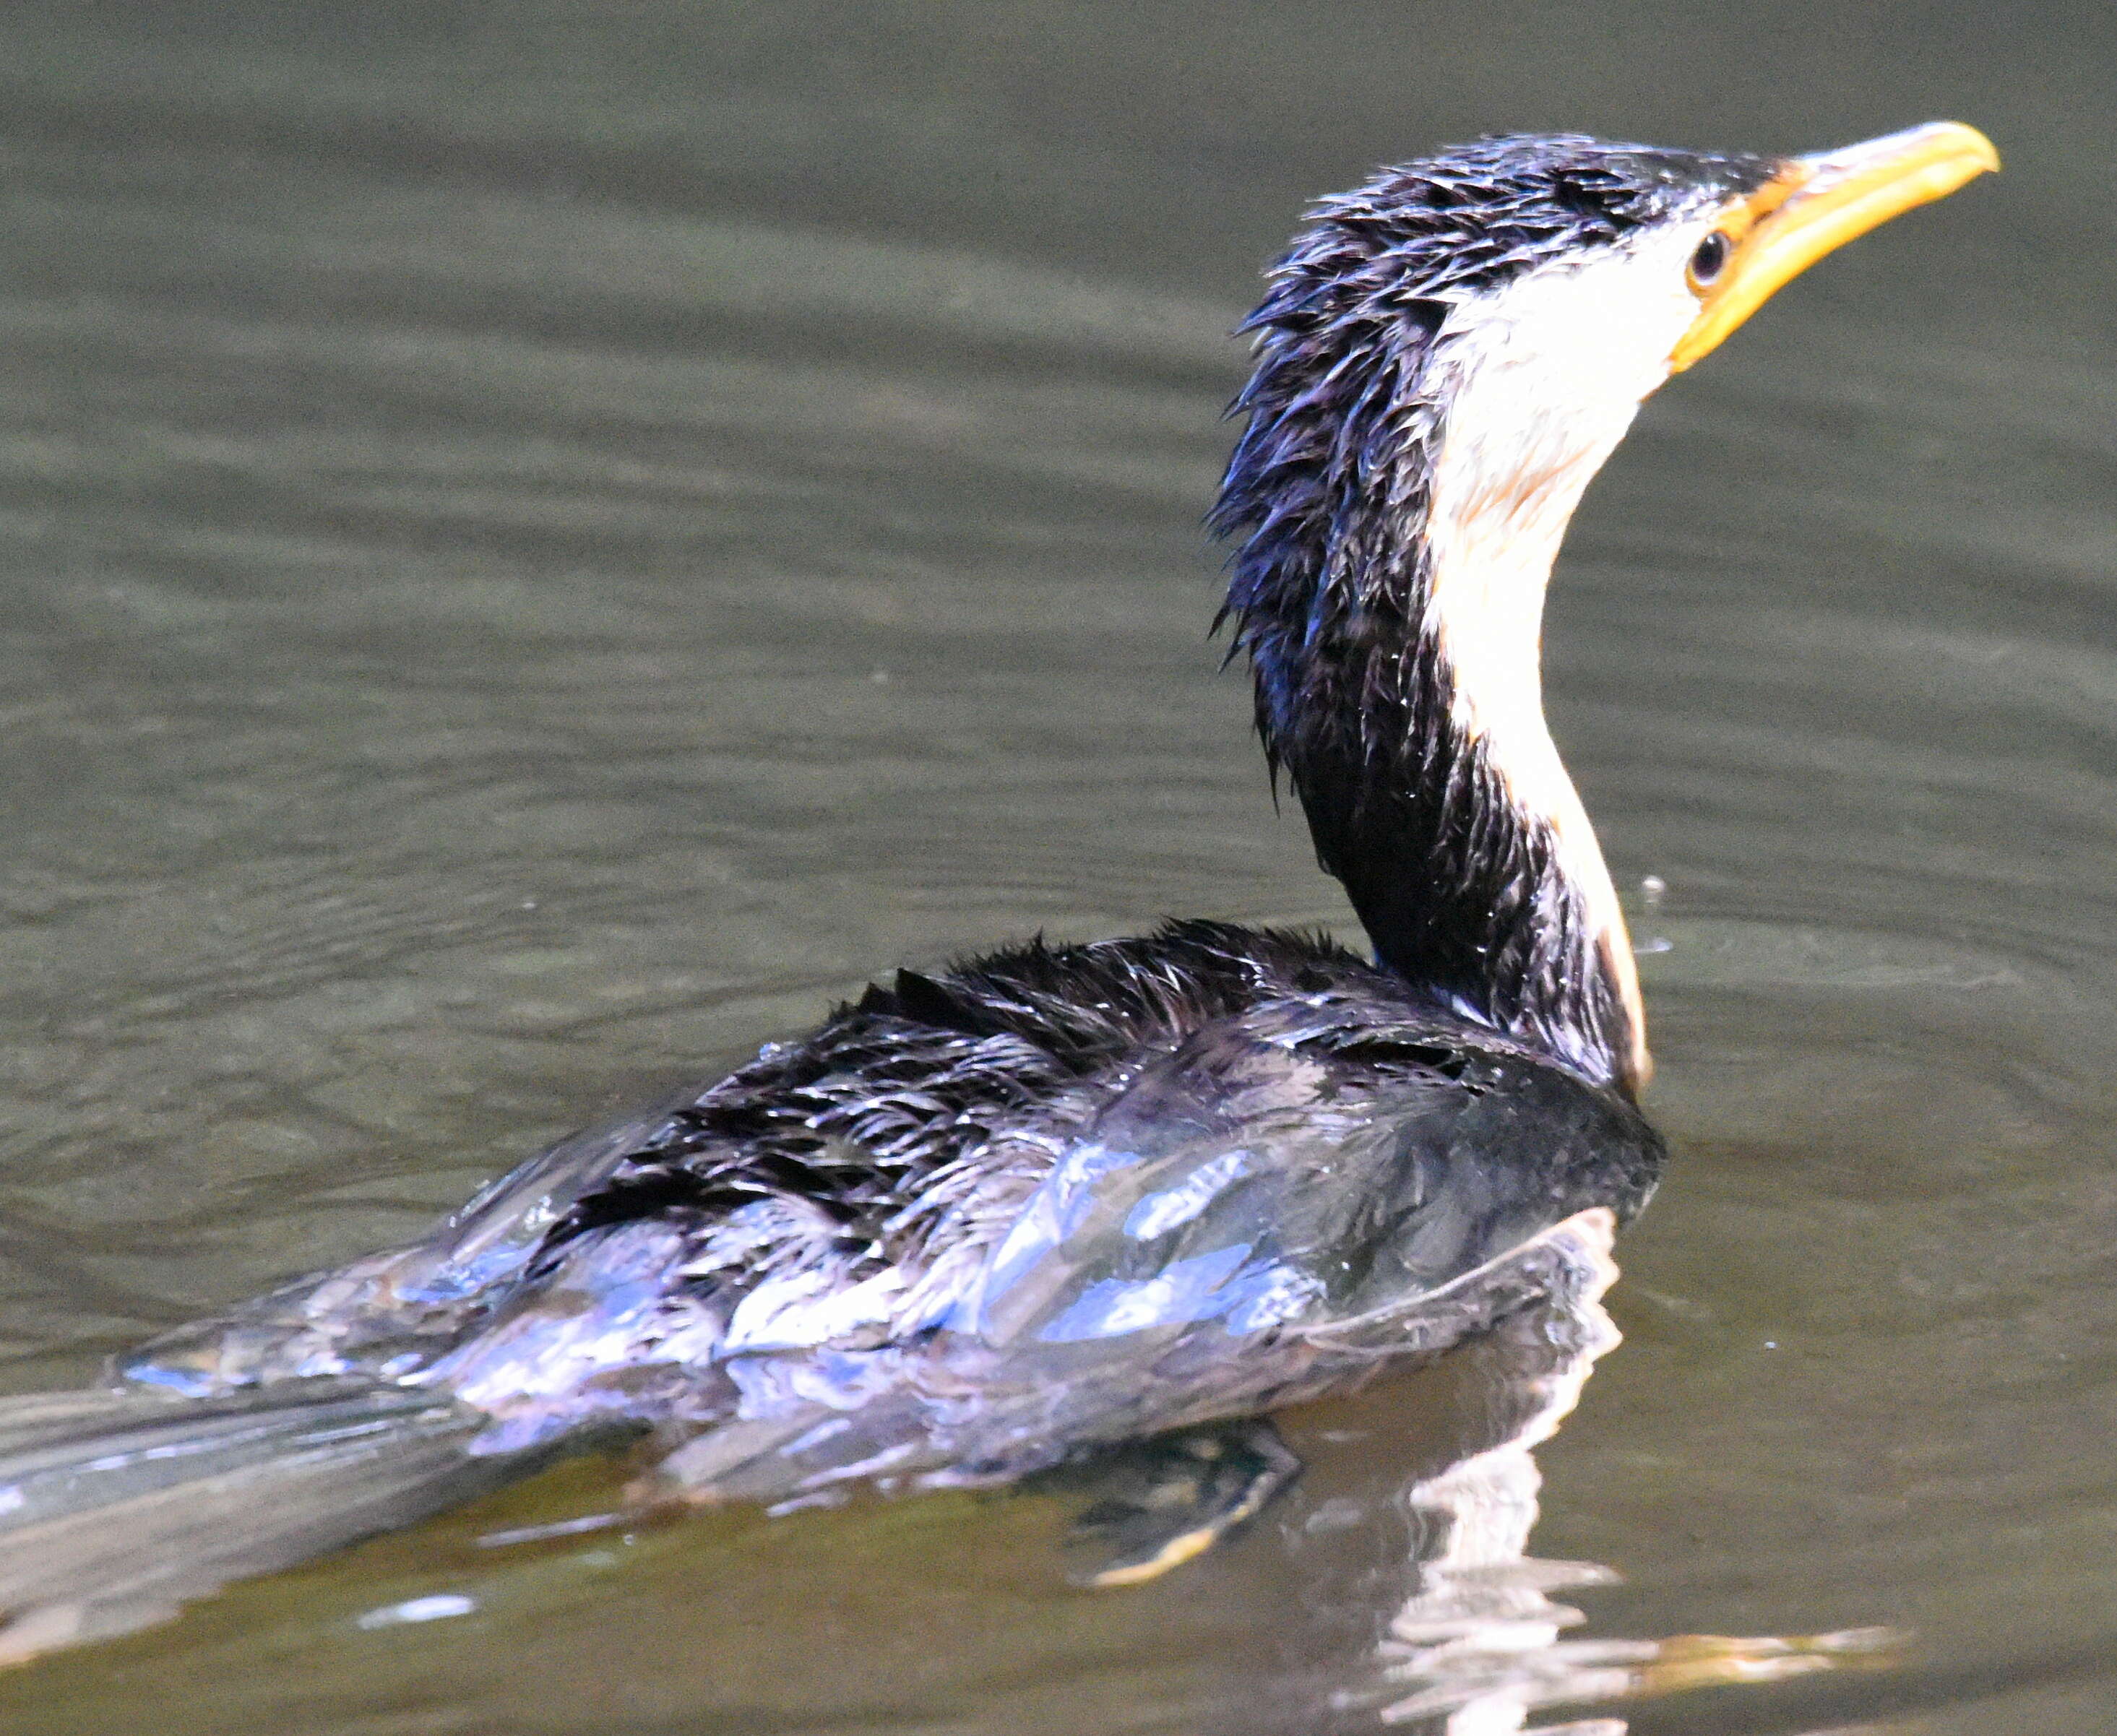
{"points": [[1443, 358]]}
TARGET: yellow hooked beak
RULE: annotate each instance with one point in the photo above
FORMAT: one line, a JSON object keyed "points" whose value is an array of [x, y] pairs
{"points": [[1814, 206]]}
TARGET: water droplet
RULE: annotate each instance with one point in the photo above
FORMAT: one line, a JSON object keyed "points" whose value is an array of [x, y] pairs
{"points": [[439, 1608]]}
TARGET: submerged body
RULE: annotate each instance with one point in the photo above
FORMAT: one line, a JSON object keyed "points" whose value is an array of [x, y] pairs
{"points": [[979, 1223], [1059, 1196], [1064, 1197]]}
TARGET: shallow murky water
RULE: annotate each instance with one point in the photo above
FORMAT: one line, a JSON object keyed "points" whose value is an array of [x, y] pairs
{"points": [[539, 549]]}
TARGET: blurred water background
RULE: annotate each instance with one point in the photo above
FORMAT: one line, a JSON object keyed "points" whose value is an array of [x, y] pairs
{"points": [[543, 543]]}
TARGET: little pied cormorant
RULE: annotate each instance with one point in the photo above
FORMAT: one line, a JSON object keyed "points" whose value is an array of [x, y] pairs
{"points": [[987, 1218]]}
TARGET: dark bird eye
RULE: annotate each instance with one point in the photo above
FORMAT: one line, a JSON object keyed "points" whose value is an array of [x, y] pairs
{"points": [[1710, 260]]}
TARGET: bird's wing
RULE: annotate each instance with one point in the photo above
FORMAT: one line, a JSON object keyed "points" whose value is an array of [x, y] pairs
{"points": [[1253, 1221]]}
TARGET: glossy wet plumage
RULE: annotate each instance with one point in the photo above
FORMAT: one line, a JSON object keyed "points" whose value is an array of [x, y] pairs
{"points": [[986, 1220], [1058, 1196]]}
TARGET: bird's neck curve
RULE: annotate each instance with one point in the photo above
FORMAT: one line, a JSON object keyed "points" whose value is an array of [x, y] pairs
{"points": [[1505, 476], [1401, 501]]}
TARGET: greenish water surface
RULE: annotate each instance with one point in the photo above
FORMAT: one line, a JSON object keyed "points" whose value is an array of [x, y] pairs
{"points": [[541, 545]]}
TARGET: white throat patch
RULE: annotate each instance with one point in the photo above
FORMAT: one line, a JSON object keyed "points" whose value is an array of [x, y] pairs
{"points": [[1535, 384]]}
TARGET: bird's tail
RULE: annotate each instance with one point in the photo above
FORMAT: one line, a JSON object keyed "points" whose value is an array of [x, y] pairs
{"points": [[117, 1505]]}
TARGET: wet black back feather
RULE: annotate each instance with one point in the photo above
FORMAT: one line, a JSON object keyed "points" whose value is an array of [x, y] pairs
{"points": [[919, 1073]]}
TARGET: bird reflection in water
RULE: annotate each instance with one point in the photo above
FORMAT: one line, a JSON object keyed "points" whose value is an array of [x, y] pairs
{"points": [[1479, 1644]]}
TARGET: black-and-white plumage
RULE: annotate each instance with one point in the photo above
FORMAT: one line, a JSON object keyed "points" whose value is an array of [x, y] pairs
{"points": [[1333, 492], [1068, 1195]]}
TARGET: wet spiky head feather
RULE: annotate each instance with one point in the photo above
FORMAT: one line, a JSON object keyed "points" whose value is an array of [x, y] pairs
{"points": [[1328, 496]]}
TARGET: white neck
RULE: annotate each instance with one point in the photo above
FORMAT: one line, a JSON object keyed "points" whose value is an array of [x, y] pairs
{"points": [[1533, 385]]}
